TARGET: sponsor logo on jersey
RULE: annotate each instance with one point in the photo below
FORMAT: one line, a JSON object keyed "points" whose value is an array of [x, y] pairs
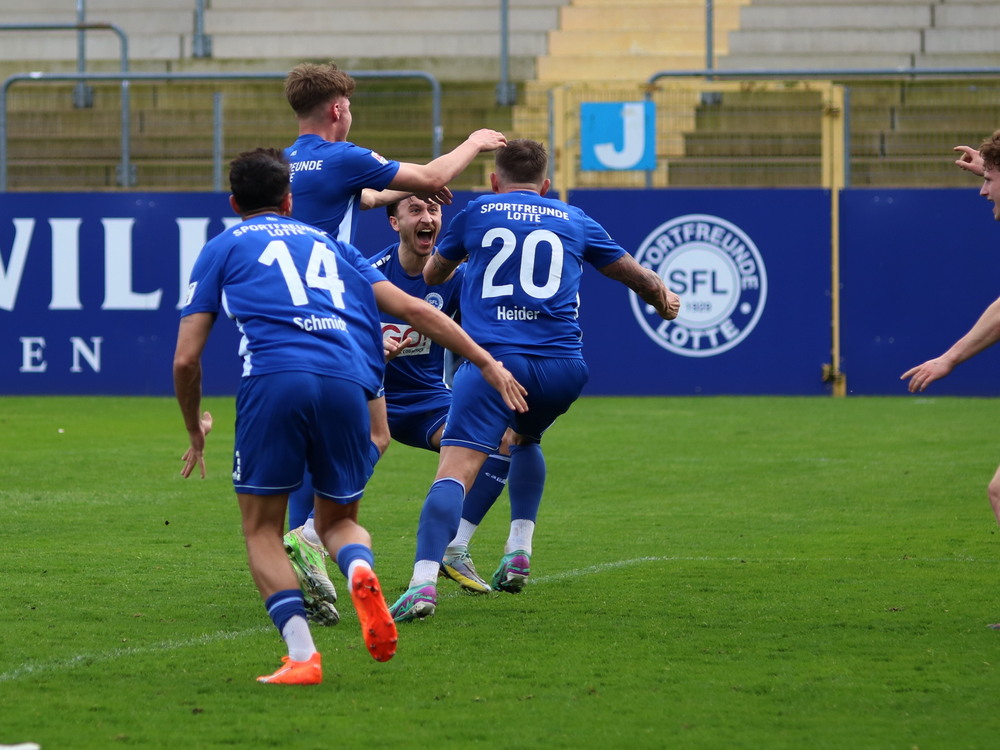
{"points": [[400, 332], [719, 274], [379, 158]]}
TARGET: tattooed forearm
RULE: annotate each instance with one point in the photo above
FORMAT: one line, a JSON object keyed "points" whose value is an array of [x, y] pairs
{"points": [[645, 283]]}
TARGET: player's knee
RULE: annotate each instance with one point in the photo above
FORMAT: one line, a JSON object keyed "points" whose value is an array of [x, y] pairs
{"points": [[993, 493], [381, 443]]}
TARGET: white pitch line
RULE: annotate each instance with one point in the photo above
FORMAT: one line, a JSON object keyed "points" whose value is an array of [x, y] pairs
{"points": [[83, 659]]}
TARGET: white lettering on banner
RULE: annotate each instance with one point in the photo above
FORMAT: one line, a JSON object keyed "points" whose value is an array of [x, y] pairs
{"points": [[118, 293], [65, 264], [93, 356], [633, 139], [193, 234], [118, 252], [31, 354], [10, 277], [718, 273]]}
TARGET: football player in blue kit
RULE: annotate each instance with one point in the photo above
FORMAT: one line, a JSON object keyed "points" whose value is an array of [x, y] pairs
{"points": [[525, 256], [312, 359], [332, 181], [417, 397]]}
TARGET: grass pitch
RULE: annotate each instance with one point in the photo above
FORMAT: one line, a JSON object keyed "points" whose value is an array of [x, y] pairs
{"points": [[708, 573]]}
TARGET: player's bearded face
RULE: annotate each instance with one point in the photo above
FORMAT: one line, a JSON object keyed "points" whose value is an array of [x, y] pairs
{"points": [[419, 224]]}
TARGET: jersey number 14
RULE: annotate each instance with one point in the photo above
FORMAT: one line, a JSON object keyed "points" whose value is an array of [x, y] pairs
{"points": [[321, 273]]}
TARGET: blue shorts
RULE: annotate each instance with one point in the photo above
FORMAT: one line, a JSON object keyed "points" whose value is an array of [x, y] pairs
{"points": [[416, 426], [479, 415], [289, 421]]}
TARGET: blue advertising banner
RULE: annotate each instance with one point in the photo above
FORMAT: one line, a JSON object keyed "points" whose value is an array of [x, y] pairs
{"points": [[918, 268], [752, 268], [90, 287]]}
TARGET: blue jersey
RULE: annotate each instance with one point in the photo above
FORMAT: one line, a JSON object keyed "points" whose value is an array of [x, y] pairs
{"points": [[327, 180], [526, 254], [303, 301], [418, 370]]}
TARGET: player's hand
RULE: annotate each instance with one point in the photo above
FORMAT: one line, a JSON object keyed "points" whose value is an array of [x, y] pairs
{"points": [[488, 140], [971, 160], [923, 375], [506, 384], [442, 197], [195, 454], [673, 306], [392, 347]]}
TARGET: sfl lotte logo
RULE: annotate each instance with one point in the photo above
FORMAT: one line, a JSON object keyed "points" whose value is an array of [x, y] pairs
{"points": [[718, 273]]}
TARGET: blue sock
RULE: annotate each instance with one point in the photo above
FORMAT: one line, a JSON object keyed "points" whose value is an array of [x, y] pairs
{"points": [[439, 518], [490, 481], [526, 481], [300, 503], [282, 606], [351, 552]]}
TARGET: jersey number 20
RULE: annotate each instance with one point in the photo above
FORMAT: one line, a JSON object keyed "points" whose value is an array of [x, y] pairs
{"points": [[526, 273]]}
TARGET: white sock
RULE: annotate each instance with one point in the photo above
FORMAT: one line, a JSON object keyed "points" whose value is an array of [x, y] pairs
{"points": [[298, 639], [309, 532], [355, 564], [521, 532], [464, 535], [425, 572]]}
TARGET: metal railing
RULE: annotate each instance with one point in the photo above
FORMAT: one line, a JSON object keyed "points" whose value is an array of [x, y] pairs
{"points": [[125, 166]]}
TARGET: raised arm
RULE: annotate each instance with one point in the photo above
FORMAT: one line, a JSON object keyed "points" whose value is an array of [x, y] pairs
{"points": [[428, 179], [443, 330], [645, 283], [380, 198]]}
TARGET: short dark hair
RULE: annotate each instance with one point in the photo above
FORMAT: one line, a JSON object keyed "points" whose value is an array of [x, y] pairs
{"points": [[308, 86], [990, 150], [390, 208], [522, 161], [259, 179]]}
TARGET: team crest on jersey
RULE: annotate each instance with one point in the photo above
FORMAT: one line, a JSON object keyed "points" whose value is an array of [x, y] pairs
{"points": [[719, 274], [435, 300], [379, 158]]}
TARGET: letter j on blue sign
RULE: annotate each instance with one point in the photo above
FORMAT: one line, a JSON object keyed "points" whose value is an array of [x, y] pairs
{"points": [[617, 135]]}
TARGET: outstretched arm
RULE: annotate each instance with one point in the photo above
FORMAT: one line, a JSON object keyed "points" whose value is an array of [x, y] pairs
{"points": [[646, 283], [440, 328], [428, 179], [970, 160], [380, 198], [982, 335]]}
